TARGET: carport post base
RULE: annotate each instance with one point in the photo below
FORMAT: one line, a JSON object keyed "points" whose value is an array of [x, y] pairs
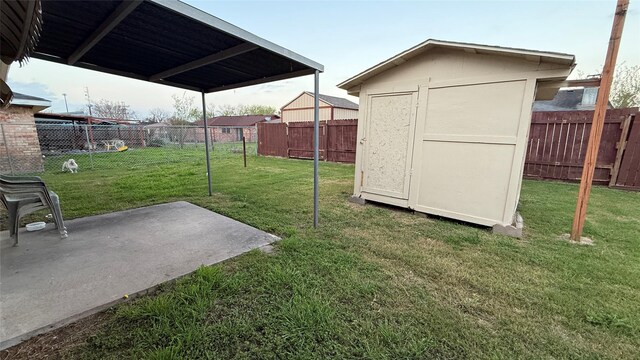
{"points": [[357, 200], [513, 230]]}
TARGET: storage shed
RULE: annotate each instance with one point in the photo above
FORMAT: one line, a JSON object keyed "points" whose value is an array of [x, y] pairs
{"points": [[443, 127], [331, 108]]}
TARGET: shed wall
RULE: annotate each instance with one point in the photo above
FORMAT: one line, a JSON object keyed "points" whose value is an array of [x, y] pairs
{"points": [[471, 121], [303, 101], [344, 114], [293, 115], [301, 109]]}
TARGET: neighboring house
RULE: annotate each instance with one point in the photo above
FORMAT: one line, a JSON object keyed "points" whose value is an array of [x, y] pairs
{"points": [[233, 128], [74, 119], [60, 133], [331, 108], [570, 99], [19, 147]]}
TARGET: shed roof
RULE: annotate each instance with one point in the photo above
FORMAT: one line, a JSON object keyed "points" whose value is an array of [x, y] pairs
{"points": [[429, 44], [336, 101], [567, 100], [239, 120], [37, 103], [162, 41], [53, 117]]}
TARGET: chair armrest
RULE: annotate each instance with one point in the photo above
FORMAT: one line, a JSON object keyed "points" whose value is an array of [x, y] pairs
{"points": [[21, 179]]}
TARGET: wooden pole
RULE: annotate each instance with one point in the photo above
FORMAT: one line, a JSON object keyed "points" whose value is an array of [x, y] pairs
{"points": [[244, 151], [597, 125]]}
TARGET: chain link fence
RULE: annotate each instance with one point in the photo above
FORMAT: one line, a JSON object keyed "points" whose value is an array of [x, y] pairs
{"points": [[29, 148]]}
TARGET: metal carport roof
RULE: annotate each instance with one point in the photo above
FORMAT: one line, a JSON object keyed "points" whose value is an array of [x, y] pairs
{"points": [[162, 41], [169, 42]]}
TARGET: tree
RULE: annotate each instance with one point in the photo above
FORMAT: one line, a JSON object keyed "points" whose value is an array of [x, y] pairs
{"points": [[259, 110], [184, 114], [184, 109], [625, 90], [230, 110], [158, 115], [113, 110]]}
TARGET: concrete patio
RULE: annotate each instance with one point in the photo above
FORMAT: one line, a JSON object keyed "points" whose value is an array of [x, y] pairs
{"points": [[47, 282]]}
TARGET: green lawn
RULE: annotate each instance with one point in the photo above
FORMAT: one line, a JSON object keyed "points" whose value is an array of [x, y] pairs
{"points": [[373, 281]]}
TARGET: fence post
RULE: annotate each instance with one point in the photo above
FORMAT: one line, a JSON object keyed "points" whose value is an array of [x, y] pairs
{"points": [[6, 148], [244, 151], [89, 144], [621, 145], [143, 142]]}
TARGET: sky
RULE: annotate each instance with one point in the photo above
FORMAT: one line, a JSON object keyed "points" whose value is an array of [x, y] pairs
{"points": [[348, 37]]}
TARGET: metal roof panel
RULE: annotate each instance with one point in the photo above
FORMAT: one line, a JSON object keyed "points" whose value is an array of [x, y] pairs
{"points": [[163, 41]]}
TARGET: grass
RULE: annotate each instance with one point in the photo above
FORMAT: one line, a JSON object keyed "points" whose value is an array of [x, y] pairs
{"points": [[374, 281]]}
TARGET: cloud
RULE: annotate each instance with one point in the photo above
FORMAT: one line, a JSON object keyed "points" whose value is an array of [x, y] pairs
{"points": [[34, 89]]}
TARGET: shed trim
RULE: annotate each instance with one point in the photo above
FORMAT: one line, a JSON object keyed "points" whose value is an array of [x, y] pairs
{"points": [[404, 56]]}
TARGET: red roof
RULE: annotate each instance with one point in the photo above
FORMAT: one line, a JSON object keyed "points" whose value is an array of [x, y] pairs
{"points": [[241, 120]]}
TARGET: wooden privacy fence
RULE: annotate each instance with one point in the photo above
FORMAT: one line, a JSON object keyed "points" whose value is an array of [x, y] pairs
{"points": [[295, 140], [556, 148], [558, 141]]}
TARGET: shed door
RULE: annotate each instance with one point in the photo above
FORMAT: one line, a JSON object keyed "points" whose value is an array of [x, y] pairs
{"points": [[465, 148], [388, 144]]}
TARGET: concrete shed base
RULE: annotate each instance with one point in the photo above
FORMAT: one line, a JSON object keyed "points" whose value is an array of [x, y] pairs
{"points": [[514, 230]]}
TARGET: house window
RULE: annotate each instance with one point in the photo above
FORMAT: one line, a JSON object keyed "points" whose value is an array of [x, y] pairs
{"points": [[226, 130]]}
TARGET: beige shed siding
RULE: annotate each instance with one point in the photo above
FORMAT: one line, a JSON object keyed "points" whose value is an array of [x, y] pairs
{"points": [[344, 114], [303, 101], [474, 126], [472, 116], [301, 109], [293, 115]]}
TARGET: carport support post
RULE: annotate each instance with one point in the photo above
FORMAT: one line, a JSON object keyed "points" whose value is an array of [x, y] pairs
{"points": [[597, 126], [316, 145], [206, 142]]}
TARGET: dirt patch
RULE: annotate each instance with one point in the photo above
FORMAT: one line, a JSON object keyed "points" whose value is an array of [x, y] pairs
{"points": [[583, 240], [268, 249], [411, 218], [55, 344]]}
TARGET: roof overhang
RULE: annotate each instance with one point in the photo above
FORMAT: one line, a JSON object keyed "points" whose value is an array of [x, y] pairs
{"points": [[532, 55], [36, 104], [163, 41], [20, 21]]}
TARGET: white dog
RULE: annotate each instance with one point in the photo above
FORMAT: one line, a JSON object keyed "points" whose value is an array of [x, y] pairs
{"points": [[70, 165]]}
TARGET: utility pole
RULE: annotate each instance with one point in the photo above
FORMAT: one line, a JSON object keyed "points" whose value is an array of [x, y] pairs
{"points": [[86, 94], [65, 102], [597, 125]]}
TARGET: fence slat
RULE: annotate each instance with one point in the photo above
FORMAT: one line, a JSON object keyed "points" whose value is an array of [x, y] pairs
{"points": [[272, 139], [295, 140], [558, 139], [629, 175]]}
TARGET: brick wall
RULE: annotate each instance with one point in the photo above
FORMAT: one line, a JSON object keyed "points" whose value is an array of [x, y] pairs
{"points": [[250, 134], [21, 151], [218, 135]]}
